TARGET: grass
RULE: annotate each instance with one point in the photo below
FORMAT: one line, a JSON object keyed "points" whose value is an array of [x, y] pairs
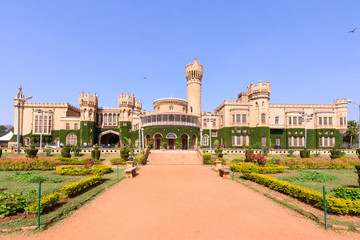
{"points": [[341, 177], [7, 185], [64, 211]]}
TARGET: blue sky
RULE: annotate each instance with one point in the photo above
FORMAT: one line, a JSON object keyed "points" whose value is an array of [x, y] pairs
{"points": [[57, 49]]}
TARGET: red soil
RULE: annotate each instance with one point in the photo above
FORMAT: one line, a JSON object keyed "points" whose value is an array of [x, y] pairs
{"points": [[184, 202]]}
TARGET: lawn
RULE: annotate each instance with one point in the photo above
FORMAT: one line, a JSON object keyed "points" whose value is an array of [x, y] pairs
{"points": [[9, 185], [341, 177]]}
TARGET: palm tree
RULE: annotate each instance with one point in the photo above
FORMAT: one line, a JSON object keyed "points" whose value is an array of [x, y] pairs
{"points": [[352, 129]]}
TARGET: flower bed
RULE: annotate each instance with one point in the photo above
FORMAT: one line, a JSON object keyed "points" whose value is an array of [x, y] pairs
{"points": [[320, 163], [95, 170], [312, 197], [25, 164], [72, 161]]}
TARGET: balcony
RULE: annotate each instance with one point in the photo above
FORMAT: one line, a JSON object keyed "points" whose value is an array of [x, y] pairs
{"points": [[170, 120]]}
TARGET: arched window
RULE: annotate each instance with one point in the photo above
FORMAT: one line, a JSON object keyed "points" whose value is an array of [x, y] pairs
{"points": [[214, 122], [191, 109], [76, 126], [263, 116], [105, 118], [276, 120], [171, 108], [90, 114], [67, 126], [256, 104], [205, 122], [205, 140], [71, 139], [263, 104], [110, 118]]}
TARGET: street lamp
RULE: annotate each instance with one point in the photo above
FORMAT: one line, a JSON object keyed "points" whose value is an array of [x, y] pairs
{"points": [[20, 95], [210, 120], [306, 117], [350, 101], [41, 124]]}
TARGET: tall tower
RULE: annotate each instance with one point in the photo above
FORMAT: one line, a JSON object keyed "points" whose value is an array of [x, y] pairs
{"points": [[88, 109], [259, 96], [194, 74]]}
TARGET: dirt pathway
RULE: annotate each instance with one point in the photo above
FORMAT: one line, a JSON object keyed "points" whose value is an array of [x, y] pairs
{"points": [[184, 202]]}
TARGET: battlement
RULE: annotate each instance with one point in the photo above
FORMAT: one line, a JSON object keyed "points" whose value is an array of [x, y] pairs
{"points": [[126, 100], [296, 105], [50, 105], [88, 100], [341, 101], [194, 70], [204, 114], [260, 87]]}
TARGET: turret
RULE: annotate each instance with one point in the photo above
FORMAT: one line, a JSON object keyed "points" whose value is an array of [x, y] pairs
{"points": [[259, 96], [127, 104], [194, 74], [88, 106]]}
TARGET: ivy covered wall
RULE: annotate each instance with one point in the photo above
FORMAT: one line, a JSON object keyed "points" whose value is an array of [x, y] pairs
{"points": [[88, 133]]}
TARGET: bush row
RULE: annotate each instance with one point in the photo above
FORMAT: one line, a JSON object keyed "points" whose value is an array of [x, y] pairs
{"points": [[73, 189], [317, 163], [25, 164], [312, 197], [253, 168], [46, 201], [72, 161], [95, 170]]}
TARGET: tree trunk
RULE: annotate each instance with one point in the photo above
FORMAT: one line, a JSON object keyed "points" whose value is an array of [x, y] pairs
{"points": [[351, 140]]}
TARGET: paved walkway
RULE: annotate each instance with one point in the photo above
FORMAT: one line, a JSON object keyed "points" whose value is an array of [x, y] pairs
{"points": [[184, 202]]}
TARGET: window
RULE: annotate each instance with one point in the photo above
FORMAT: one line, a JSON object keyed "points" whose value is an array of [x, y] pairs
{"points": [[205, 140], [300, 120], [191, 109], [331, 141], [277, 142], [71, 139], [214, 133], [330, 121], [76, 126], [45, 124], [171, 108], [214, 122], [237, 117], [36, 124], [256, 104], [341, 121], [289, 120], [294, 120], [238, 140], [244, 140], [67, 126], [290, 142], [233, 117], [205, 121], [263, 141], [263, 116], [295, 141], [300, 141], [325, 120], [276, 120], [244, 118], [320, 120], [326, 141], [263, 104]]}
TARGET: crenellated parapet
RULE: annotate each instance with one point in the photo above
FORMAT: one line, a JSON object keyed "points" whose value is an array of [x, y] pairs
{"points": [[259, 90], [299, 105], [88, 100], [126, 100]]}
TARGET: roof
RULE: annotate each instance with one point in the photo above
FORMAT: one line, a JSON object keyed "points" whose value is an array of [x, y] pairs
{"points": [[7, 136]]}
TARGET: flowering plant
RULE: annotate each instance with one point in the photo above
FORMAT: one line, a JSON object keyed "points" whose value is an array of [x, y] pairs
{"points": [[259, 159], [25, 164]]}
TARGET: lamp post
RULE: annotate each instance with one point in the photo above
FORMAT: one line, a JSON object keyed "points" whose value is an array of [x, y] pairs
{"points": [[42, 124], [306, 117], [350, 101], [142, 138], [210, 120], [19, 96]]}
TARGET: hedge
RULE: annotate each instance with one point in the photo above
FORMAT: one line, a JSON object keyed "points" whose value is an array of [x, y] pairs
{"points": [[45, 202], [95, 170], [73, 189], [120, 161], [251, 167], [206, 158], [312, 197], [73, 161]]}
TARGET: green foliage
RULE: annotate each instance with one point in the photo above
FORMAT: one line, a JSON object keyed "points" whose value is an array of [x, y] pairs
{"points": [[12, 203], [29, 177], [357, 150], [334, 153], [275, 161], [247, 155], [124, 153], [73, 189], [87, 133], [237, 160], [312, 197], [346, 193], [48, 152], [141, 160], [0, 152], [358, 172], [65, 152], [222, 160], [305, 153], [246, 168], [95, 170], [311, 176], [31, 152], [95, 154], [76, 151], [120, 161], [45, 203], [207, 159], [291, 153]]}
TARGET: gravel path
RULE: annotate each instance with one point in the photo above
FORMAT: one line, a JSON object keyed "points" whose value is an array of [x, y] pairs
{"points": [[184, 202]]}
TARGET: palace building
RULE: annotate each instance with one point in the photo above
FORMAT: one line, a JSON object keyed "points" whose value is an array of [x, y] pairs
{"points": [[249, 120]]}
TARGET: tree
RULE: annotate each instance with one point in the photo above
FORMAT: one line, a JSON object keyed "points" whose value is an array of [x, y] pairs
{"points": [[352, 129]]}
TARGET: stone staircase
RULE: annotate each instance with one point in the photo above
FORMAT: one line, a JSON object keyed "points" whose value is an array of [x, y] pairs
{"points": [[174, 157]]}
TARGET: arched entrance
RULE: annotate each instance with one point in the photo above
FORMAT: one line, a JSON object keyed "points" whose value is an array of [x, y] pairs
{"points": [[109, 138], [184, 141], [194, 141], [147, 139], [157, 141], [171, 140]]}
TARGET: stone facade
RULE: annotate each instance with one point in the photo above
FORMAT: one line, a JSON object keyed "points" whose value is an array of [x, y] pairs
{"points": [[250, 120]]}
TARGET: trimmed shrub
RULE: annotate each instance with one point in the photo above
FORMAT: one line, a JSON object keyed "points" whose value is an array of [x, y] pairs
{"points": [[31, 152], [357, 150], [247, 155], [206, 158], [246, 168], [65, 152], [75, 188], [45, 202], [76, 151], [48, 152], [95, 154], [305, 153], [236, 160], [291, 153], [95, 170], [73, 161], [120, 161], [334, 153], [312, 197], [223, 161], [124, 153]]}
